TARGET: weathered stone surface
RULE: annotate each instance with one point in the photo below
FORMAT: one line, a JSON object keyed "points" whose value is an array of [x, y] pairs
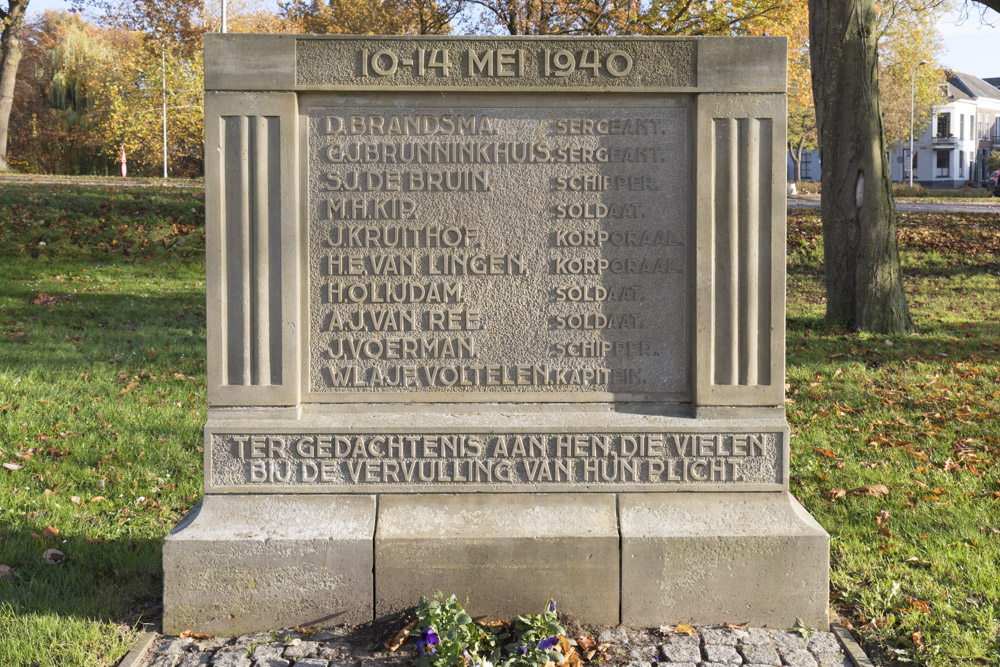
{"points": [[335, 650], [722, 654], [545, 453], [268, 651], [760, 654], [195, 660], [300, 649], [231, 656], [485, 547], [680, 652], [715, 557], [247, 563], [165, 660], [272, 662], [254, 638], [212, 643], [426, 278], [231, 660], [690, 641], [832, 659], [175, 645], [797, 657], [787, 640], [820, 642], [724, 636], [756, 636], [272, 62], [640, 644]]}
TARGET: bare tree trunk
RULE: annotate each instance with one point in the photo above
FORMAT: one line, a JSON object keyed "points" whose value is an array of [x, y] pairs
{"points": [[10, 58], [795, 165], [861, 256], [797, 160]]}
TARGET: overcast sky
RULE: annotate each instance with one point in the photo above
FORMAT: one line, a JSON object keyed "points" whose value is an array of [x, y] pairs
{"points": [[971, 46]]}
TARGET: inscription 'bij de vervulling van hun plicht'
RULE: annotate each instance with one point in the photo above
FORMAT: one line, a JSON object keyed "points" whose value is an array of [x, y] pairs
{"points": [[498, 249], [456, 459]]}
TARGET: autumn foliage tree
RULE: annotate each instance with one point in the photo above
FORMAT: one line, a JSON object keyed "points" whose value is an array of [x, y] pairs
{"points": [[11, 21], [91, 90], [907, 35], [371, 17], [50, 128], [861, 257]]}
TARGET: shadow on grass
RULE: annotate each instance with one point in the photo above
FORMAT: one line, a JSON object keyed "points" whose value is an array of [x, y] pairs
{"points": [[813, 340], [88, 329], [991, 269], [116, 581]]}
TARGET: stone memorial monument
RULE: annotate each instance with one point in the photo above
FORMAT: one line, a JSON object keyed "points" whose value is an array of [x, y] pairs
{"points": [[502, 317]]}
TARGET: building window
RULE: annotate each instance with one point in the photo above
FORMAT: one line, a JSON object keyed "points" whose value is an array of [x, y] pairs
{"points": [[943, 121], [979, 119], [961, 163], [806, 167], [961, 126], [916, 154], [972, 122], [943, 157]]}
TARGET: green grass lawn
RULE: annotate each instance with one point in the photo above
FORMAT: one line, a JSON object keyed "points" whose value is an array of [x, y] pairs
{"points": [[102, 376], [915, 566]]}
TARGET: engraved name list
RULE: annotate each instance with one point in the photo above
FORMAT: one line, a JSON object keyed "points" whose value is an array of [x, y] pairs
{"points": [[496, 249]]}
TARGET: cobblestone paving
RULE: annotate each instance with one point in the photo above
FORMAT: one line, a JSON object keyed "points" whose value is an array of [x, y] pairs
{"points": [[710, 647]]}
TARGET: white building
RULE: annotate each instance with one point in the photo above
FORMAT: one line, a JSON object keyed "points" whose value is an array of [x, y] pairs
{"points": [[955, 147], [811, 170]]}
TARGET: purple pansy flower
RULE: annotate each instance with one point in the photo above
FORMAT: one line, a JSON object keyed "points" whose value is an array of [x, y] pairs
{"points": [[522, 649], [428, 640], [552, 605], [430, 635], [548, 642]]}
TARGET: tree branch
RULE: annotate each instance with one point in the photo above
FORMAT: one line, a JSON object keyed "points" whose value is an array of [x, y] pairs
{"points": [[992, 4]]}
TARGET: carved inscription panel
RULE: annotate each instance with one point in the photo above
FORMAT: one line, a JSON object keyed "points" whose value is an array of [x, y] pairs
{"points": [[646, 461], [499, 250]]}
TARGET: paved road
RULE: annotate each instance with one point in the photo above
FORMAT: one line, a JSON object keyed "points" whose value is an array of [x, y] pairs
{"points": [[916, 206]]}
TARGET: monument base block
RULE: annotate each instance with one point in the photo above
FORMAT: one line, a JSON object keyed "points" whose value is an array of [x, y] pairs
{"points": [[507, 553], [712, 558], [249, 563]]}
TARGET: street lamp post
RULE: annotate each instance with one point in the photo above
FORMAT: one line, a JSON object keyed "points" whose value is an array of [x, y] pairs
{"points": [[912, 89], [224, 3], [163, 62]]}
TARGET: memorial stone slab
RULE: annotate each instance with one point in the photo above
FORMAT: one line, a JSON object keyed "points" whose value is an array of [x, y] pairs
{"points": [[499, 314]]}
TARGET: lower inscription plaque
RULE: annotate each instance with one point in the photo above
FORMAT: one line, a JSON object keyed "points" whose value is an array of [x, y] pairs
{"points": [[419, 462]]}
